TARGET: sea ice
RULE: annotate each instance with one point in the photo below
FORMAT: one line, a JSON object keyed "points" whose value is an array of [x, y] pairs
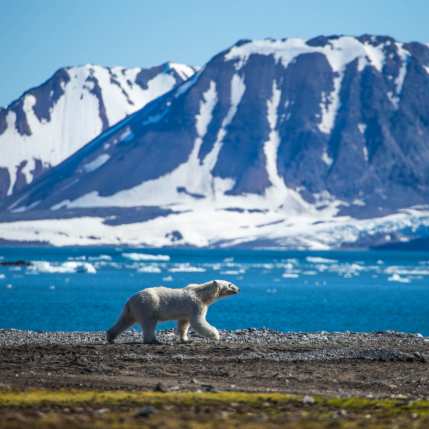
{"points": [[145, 257], [65, 267]]}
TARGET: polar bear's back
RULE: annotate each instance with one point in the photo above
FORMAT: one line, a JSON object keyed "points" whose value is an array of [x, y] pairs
{"points": [[162, 303]]}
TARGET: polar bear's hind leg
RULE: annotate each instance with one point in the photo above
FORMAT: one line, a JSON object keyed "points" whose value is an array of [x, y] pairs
{"points": [[182, 330], [148, 327], [125, 321]]}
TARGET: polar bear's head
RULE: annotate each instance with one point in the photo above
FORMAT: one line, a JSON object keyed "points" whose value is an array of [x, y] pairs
{"points": [[214, 289], [226, 288]]}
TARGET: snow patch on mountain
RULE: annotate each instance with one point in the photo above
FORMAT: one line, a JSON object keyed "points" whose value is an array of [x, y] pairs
{"points": [[93, 98], [193, 176], [399, 81], [361, 127], [339, 52], [327, 159], [204, 117], [96, 163], [271, 146], [183, 70]]}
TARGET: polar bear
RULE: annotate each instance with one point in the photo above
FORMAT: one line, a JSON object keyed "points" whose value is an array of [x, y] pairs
{"points": [[187, 305]]}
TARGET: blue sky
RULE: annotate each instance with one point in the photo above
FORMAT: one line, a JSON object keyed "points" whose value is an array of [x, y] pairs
{"points": [[39, 36]]}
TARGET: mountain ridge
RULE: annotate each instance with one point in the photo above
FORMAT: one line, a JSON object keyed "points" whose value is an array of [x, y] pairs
{"points": [[297, 142], [49, 122]]}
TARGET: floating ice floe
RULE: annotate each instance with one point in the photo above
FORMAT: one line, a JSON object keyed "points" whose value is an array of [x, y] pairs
{"points": [[320, 260], [398, 278], [145, 257], [289, 266], [215, 267], [167, 279], [2, 276], [290, 275], [65, 267], [346, 270], [232, 272], [186, 268], [152, 269], [291, 270], [9, 286], [414, 272], [100, 258], [309, 273]]}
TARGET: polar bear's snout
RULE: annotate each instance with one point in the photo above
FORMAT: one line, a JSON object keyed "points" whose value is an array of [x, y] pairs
{"points": [[228, 289]]}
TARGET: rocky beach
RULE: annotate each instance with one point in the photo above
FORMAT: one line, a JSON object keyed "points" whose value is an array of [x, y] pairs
{"points": [[303, 371]]}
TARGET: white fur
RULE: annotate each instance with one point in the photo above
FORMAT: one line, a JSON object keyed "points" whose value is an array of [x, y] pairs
{"points": [[188, 306]]}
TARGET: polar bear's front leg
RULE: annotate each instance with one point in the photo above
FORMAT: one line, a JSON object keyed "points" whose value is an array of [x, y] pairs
{"points": [[182, 330], [200, 325]]}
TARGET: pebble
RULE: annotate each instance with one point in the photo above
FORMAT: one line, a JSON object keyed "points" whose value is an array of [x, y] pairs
{"points": [[308, 400], [381, 347], [209, 388], [160, 387], [145, 412]]}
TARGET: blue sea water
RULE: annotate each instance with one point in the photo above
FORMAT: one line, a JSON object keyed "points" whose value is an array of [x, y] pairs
{"points": [[81, 289]]}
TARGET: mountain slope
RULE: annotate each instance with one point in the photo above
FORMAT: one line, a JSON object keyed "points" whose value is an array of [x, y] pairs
{"points": [[314, 143], [49, 123]]}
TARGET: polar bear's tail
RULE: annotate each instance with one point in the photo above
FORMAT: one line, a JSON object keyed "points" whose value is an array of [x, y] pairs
{"points": [[125, 320]]}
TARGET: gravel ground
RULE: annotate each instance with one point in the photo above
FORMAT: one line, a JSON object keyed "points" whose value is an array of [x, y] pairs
{"points": [[385, 364]]}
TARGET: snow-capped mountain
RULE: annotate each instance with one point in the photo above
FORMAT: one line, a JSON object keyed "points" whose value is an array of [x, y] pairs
{"points": [[301, 143], [49, 123]]}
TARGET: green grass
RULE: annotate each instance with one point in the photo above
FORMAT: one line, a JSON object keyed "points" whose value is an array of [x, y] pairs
{"points": [[42, 409]]}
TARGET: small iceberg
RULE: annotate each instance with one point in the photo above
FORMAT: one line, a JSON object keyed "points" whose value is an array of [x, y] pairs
{"points": [[233, 272], [396, 277], [320, 260], [290, 275], [65, 267], [186, 268], [152, 269], [145, 257]]}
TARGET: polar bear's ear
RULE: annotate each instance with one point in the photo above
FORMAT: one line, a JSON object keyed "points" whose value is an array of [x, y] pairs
{"points": [[209, 291]]}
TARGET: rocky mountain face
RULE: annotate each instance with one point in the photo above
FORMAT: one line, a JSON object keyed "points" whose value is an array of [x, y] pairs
{"points": [[308, 143], [49, 123]]}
